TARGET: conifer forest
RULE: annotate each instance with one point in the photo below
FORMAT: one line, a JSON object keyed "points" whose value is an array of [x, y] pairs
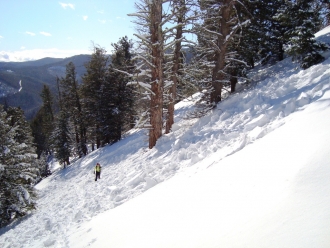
{"points": [[180, 47]]}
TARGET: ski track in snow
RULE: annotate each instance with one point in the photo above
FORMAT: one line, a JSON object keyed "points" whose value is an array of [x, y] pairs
{"points": [[71, 196]]}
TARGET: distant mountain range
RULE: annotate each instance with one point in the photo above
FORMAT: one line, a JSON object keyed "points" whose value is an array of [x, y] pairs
{"points": [[21, 82]]}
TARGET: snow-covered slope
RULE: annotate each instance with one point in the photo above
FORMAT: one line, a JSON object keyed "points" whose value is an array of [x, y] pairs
{"points": [[253, 173], [274, 193]]}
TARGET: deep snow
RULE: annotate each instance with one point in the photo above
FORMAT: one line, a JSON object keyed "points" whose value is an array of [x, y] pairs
{"points": [[253, 173]]}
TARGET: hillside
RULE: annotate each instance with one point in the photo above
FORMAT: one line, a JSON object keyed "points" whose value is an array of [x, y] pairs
{"points": [[252, 173], [33, 75]]}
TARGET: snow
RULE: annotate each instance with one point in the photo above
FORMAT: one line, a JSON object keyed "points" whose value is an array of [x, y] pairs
{"points": [[20, 85], [253, 173]]}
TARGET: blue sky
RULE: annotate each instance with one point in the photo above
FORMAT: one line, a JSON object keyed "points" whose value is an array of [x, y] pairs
{"points": [[32, 29]]}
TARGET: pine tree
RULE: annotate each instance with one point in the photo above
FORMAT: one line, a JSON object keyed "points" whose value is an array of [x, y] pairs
{"points": [[42, 124], [92, 90], [61, 138], [182, 17], [327, 11], [119, 96], [71, 102], [302, 23], [323, 7], [47, 114], [38, 135], [150, 21], [221, 23], [19, 169]]}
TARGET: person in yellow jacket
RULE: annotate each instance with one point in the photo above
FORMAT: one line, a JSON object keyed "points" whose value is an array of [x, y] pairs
{"points": [[97, 171]]}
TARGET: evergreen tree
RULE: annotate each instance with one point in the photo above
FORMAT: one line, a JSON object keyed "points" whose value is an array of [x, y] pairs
{"points": [[71, 102], [92, 90], [61, 138], [220, 25], [150, 21], [42, 124], [323, 7], [160, 59], [47, 116], [38, 134], [119, 97], [327, 12], [183, 16], [19, 170], [302, 23]]}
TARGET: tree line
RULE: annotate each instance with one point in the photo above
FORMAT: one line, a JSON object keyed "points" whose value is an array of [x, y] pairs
{"points": [[75, 120], [20, 170], [140, 87], [226, 37], [182, 47], [89, 115]]}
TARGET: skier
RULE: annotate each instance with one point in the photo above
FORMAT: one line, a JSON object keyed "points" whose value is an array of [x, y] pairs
{"points": [[97, 171]]}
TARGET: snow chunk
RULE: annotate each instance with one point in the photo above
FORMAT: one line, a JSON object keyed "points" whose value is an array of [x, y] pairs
{"points": [[260, 121], [303, 99], [136, 180], [49, 242], [150, 182]]}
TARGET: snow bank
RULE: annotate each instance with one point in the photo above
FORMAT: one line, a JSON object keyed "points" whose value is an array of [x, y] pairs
{"points": [[274, 193], [253, 173]]}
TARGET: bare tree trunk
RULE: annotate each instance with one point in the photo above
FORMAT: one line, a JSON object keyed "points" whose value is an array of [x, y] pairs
{"points": [[156, 103], [233, 82], [98, 138], [218, 75], [281, 51], [175, 68], [328, 14], [217, 78], [77, 139]]}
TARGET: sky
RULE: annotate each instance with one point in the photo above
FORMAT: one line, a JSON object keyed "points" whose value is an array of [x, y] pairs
{"points": [[33, 29], [254, 172]]}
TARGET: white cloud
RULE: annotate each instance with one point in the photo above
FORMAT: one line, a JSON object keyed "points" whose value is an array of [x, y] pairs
{"points": [[30, 33], [102, 21], [45, 34], [67, 5], [34, 54], [100, 11], [1, 37], [22, 47], [85, 18]]}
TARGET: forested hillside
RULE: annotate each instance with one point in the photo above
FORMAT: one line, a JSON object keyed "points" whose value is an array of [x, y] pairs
{"points": [[21, 82], [81, 104], [252, 172]]}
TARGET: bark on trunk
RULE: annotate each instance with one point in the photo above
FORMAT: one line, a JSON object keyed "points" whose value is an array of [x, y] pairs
{"points": [[175, 69], [224, 29], [83, 139], [156, 103], [281, 51], [233, 82], [98, 139]]}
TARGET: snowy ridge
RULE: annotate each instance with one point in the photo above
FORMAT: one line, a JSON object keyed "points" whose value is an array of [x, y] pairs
{"points": [[71, 201]]}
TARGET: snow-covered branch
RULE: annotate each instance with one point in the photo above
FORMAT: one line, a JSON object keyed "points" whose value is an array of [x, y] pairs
{"points": [[145, 86], [144, 59], [124, 72], [211, 32], [143, 38]]}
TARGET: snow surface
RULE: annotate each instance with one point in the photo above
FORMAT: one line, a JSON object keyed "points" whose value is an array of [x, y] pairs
{"points": [[253, 173]]}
